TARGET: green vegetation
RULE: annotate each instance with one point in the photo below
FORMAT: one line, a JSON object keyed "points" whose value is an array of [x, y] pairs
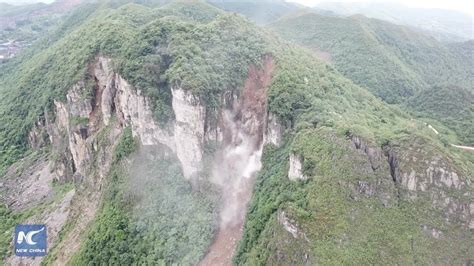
{"points": [[261, 12], [9, 220], [17, 83], [126, 145], [340, 226], [453, 106], [351, 44], [29, 30], [150, 214], [393, 62], [309, 93], [153, 49]]}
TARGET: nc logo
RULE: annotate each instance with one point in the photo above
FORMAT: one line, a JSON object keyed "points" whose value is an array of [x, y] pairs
{"points": [[30, 240], [28, 237]]}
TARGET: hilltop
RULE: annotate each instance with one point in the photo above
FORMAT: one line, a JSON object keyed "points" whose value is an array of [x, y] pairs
{"points": [[394, 62], [154, 132]]}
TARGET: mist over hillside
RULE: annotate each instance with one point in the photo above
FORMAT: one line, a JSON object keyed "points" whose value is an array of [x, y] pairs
{"points": [[25, 2], [445, 25], [394, 62], [159, 132]]}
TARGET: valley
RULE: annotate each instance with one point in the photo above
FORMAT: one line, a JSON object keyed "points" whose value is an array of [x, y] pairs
{"points": [[224, 133]]}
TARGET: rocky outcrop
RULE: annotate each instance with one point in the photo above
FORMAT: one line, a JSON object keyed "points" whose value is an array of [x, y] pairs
{"points": [[242, 122], [55, 218], [374, 155], [375, 164], [418, 171], [105, 79], [296, 168], [188, 130], [392, 162], [37, 137], [290, 225], [83, 136], [78, 103], [134, 109], [184, 136], [378, 157], [88, 123], [80, 116], [27, 183], [274, 131], [425, 172], [72, 124]]}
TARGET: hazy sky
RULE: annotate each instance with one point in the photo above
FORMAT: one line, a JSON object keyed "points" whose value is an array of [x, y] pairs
{"points": [[466, 6]]}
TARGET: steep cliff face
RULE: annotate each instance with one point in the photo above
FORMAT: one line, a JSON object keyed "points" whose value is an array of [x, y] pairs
{"points": [[83, 131], [183, 136], [428, 174], [240, 130], [321, 193], [421, 172], [188, 130], [352, 186], [82, 141], [296, 168], [244, 128]]}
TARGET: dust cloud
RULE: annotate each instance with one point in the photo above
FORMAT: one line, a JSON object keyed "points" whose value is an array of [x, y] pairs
{"points": [[234, 169]]}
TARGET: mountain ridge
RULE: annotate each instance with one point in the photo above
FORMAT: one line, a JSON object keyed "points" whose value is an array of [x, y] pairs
{"points": [[156, 126], [449, 25]]}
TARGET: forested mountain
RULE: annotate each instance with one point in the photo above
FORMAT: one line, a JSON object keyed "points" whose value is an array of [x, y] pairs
{"points": [[393, 62], [155, 134], [445, 25], [453, 106], [262, 12]]}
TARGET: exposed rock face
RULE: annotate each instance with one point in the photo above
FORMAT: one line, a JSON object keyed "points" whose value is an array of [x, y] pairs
{"points": [[188, 130], [289, 225], [191, 129], [433, 175], [134, 109], [54, 218], [37, 137], [29, 187], [80, 153], [393, 163], [296, 168], [274, 131], [241, 130], [416, 172], [106, 83], [425, 172], [243, 126], [378, 164], [79, 105], [374, 155], [184, 136], [73, 121]]}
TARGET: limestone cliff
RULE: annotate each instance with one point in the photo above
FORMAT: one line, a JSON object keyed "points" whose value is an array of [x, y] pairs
{"points": [[83, 130], [420, 172]]}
